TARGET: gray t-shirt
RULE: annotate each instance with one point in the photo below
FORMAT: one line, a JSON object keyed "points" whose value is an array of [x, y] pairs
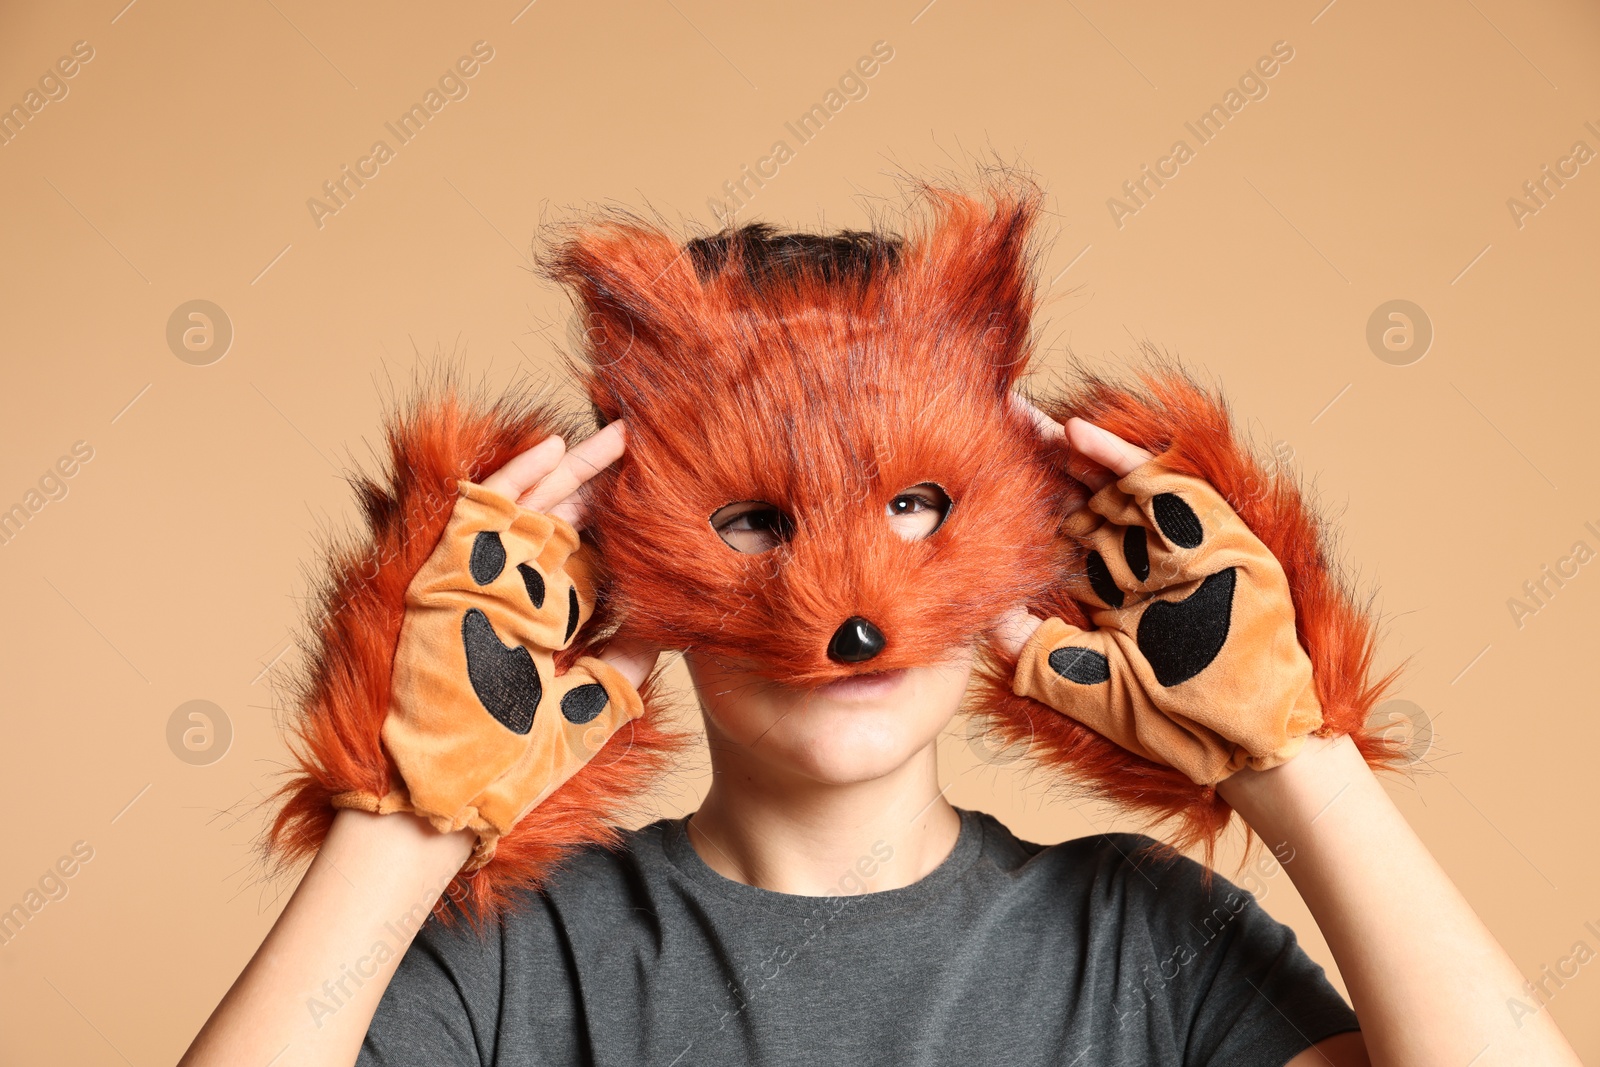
{"points": [[1082, 953]]}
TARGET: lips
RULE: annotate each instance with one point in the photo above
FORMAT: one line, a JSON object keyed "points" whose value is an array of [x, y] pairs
{"points": [[871, 685]]}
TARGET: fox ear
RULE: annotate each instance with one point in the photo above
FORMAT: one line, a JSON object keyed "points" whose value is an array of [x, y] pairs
{"points": [[972, 277], [639, 300]]}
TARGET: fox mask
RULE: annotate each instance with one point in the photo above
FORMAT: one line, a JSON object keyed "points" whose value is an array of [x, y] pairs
{"points": [[821, 386]]}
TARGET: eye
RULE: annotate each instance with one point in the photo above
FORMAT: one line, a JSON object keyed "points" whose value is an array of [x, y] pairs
{"points": [[917, 512], [751, 526]]}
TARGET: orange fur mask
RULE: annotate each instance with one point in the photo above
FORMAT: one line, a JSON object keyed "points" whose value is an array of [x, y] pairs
{"points": [[822, 377]]}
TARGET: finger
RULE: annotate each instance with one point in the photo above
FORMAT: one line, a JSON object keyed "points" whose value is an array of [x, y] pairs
{"points": [[572, 510], [1090, 474], [582, 462], [1104, 447], [1093, 475], [1049, 428], [525, 470], [633, 658], [1015, 629]]}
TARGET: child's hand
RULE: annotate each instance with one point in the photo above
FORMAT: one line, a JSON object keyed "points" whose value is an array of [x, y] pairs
{"points": [[480, 727], [1195, 662]]}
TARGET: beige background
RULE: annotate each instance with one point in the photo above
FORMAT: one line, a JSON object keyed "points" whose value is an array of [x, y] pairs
{"points": [[178, 167]]}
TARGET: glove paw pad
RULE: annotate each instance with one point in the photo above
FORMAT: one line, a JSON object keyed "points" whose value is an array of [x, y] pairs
{"points": [[1136, 553], [1181, 638], [533, 582], [488, 557], [504, 677], [1177, 520], [1082, 665], [574, 612], [1100, 580], [581, 704]]}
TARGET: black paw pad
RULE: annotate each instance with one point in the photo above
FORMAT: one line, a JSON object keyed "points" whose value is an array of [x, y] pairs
{"points": [[1136, 552], [1100, 580], [488, 557], [1082, 665], [573, 611], [533, 581], [1177, 520], [1180, 638], [505, 679], [582, 703]]}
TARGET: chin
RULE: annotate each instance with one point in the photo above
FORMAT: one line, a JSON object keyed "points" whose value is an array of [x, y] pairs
{"points": [[839, 743], [857, 730]]}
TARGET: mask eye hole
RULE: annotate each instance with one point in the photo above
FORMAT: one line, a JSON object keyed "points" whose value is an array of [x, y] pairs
{"points": [[752, 526], [918, 511]]}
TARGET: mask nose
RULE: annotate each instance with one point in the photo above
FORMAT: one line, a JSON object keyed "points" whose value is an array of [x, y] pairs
{"points": [[855, 641]]}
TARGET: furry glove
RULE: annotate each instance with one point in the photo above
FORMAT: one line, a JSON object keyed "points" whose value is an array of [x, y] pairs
{"points": [[1195, 662], [479, 726]]}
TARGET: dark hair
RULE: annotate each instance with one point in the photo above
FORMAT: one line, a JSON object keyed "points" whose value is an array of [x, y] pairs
{"points": [[845, 257], [842, 258]]}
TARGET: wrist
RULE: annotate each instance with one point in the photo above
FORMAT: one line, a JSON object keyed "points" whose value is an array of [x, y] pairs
{"points": [[1283, 802], [400, 843]]}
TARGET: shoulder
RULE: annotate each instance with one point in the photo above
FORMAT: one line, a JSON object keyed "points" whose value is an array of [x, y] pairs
{"points": [[1126, 881], [447, 999], [1120, 862], [595, 889]]}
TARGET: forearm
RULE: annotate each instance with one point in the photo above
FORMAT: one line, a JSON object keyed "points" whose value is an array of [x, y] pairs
{"points": [[1427, 979], [314, 983]]}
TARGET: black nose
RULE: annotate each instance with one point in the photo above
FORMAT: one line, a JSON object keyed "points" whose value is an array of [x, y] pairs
{"points": [[855, 640]]}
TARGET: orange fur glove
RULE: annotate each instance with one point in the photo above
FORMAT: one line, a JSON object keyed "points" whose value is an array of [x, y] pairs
{"points": [[479, 726], [1195, 662]]}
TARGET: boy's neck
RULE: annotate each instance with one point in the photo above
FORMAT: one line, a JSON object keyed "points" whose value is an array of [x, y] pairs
{"points": [[821, 839]]}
